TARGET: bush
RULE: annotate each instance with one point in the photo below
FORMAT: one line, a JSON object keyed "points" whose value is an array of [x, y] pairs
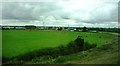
{"points": [[59, 60], [89, 46], [5, 59]]}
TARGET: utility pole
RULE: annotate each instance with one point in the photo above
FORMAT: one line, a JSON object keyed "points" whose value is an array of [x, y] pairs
{"points": [[42, 18]]}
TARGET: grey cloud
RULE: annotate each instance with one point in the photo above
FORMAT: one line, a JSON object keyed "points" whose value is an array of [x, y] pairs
{"points": [[15, 11], [105, 12], [26, 11]]}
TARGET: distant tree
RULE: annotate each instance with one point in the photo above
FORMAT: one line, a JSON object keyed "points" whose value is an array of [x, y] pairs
{"points": [[60, 28], [77, 29], [84, 29], [30, 27], [101, 29]]}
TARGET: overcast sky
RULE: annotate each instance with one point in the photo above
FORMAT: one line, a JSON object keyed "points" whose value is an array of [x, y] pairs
{"points": [[89, 13]]}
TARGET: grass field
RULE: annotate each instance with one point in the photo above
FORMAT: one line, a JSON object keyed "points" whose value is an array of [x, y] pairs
{"points": [[0, 43], [15, 42]]}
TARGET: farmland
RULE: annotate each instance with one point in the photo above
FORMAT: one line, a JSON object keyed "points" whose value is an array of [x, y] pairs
{"points": [[16, 42]]}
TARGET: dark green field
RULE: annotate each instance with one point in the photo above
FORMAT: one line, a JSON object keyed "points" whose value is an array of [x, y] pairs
{"points": [[16, 42]]}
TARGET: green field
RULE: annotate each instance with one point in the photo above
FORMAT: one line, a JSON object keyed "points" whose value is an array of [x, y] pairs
{"points": [[15, 42]]}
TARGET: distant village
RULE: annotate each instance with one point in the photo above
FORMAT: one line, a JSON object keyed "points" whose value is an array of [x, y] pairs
{"points": [[78, 29]]}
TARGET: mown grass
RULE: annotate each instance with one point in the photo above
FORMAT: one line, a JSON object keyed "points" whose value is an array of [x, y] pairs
{"points": [[16, 42]]}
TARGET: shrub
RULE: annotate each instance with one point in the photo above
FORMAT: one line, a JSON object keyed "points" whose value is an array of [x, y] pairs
{"points": [[88, 46], [59, 60], [5, 59]]}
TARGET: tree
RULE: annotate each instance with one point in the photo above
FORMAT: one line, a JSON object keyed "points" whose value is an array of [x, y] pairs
{"points": [[60, 28], [30, 27], [84, 29]]}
